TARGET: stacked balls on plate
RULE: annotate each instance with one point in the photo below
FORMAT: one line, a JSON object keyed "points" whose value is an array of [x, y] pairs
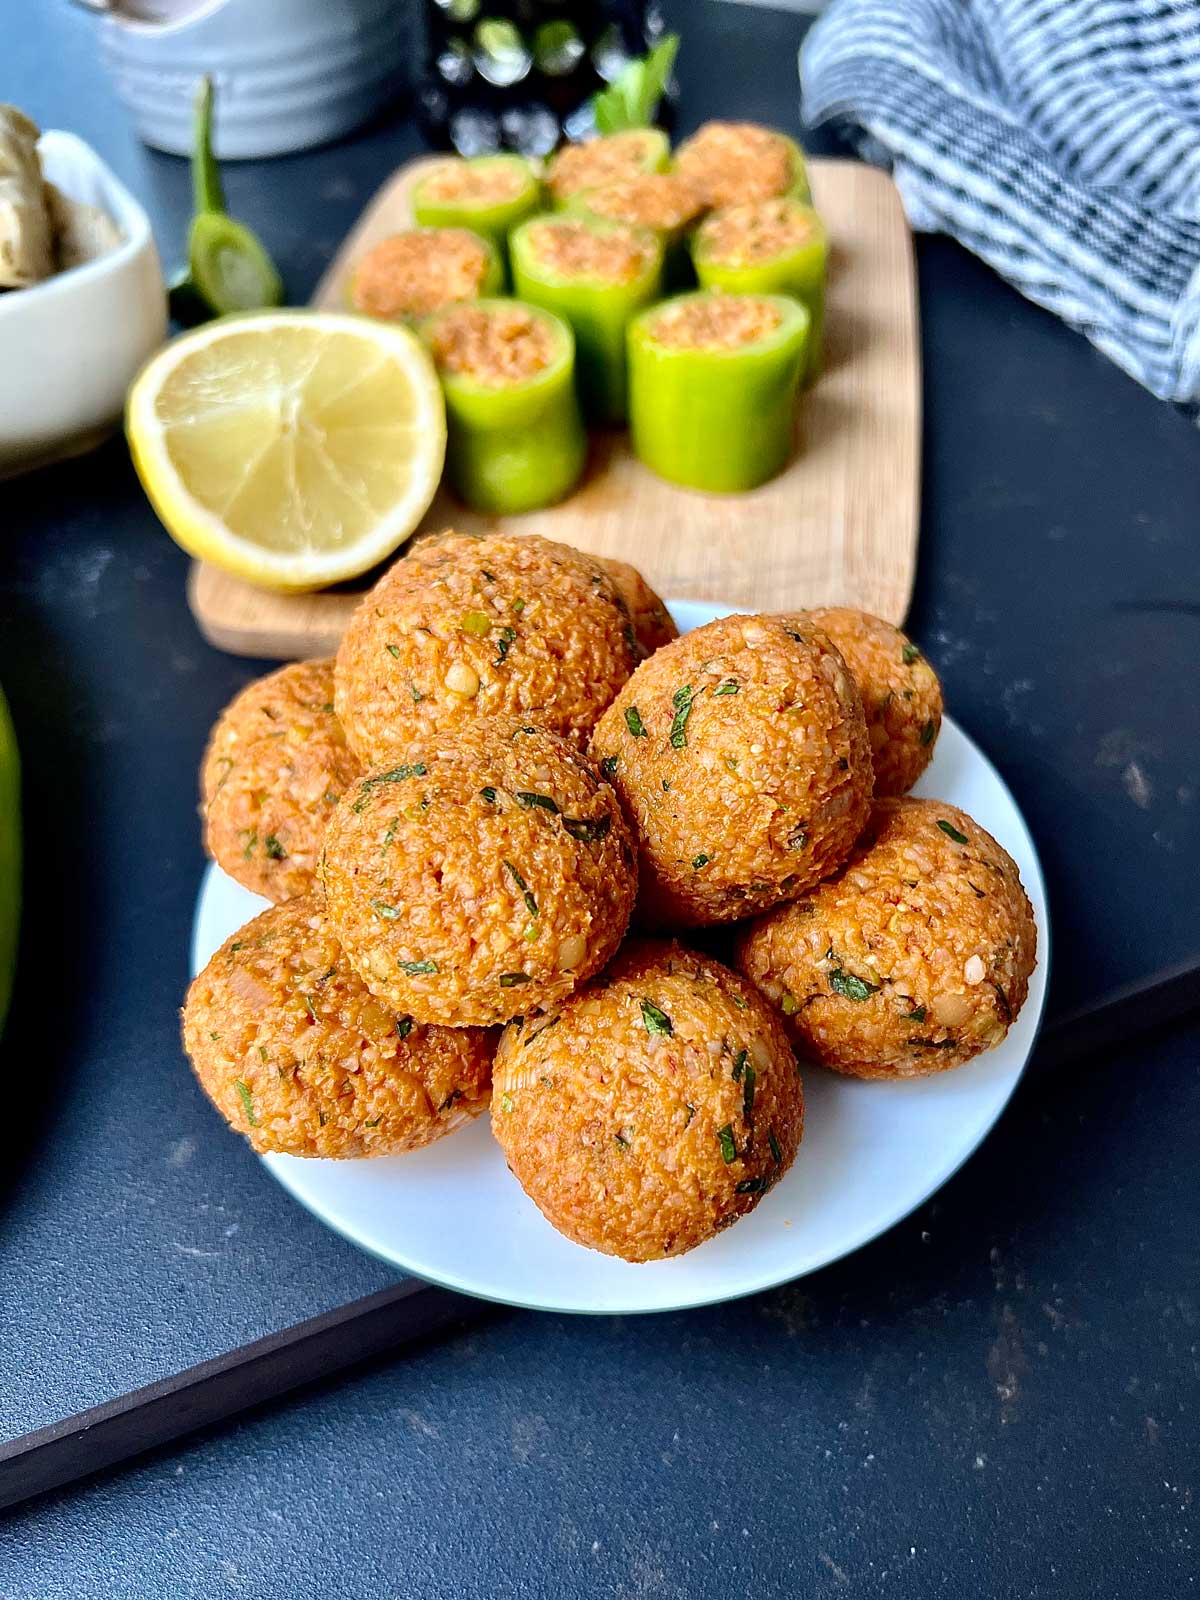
{"points": [[513, 760]]}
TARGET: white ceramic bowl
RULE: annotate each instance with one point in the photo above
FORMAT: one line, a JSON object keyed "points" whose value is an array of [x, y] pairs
{"points": [[69, 346]]}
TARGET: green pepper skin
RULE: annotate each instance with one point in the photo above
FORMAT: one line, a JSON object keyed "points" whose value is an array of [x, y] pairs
{"points": [[493, 223], [10, 856], [519, 447], [716, 420], [599, 314], [800, 273]]}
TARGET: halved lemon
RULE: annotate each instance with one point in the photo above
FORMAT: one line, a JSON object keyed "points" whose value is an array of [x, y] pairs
{"points": [[291, 448]]}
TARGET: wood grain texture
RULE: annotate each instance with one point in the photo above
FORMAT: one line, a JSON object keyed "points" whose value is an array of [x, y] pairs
{"points": [[838, 527]]}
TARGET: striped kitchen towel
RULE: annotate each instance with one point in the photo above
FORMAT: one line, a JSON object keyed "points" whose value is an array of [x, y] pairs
{"points": [[1057, 139]]}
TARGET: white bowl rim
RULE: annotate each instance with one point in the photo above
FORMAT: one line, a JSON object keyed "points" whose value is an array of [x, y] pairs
{"points": [[124, 210]]}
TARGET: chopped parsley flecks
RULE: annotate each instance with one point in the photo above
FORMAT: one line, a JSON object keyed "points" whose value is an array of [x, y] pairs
{"points": [[393, 650], [729, 686], [683, 700], [788, 1004], [797, 839], [251, 841], [621, 1141], [417, 969], [247, 1099], [739, 1065], [850, 987], [477, 623], [927, 733], [236, 945], [753, 1186], [382, 909], [951, 831], [738, 1001], [792, 634], [608, 766], [490, 576], [909, 654], [633, 721], [699, 861], [504, 641], [530, 902], [416, 694], [510, 980], [748, 1086], [537, 1034], [585, 830], [725, 1140], [392, 827], [518, 605], [373, 1122], [309, 1007], [488, 794], [656, 1020], [404, 1026], [776, 1152], [506, 1103], [691, 1112], [528, 799], [918, 1015]]}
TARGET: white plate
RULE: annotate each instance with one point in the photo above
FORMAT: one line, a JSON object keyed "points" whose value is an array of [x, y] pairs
{"points": [[872, 1152]]}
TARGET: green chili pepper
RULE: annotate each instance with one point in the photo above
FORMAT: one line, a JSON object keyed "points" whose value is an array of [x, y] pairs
{"points": [[493, 219], [228, 269], [799, 270], [712, 417], [514, 445], [598, 309]]}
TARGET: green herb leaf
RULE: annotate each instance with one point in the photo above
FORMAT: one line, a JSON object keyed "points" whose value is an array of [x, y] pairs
{"points": [[526, 798], [632, 100], [506, 1103], [404, 1026], [752, 1186], [416, 969], [633, 721], [510, 980], [388, 913], [530, 902], [700, 861], [503, 644], [918, 1015], [951, 831], [776, 1152], [739, 1063], [850, 987], [247, 1100], [418, 769], [373, 1122], [621, 1140], [927, 733], [725, 1140], [730, 686], [393, 650], [656, 1020], [587, 832], [748, 1092], [488, 794], [909, 654], [608, 766], [683, 700]]}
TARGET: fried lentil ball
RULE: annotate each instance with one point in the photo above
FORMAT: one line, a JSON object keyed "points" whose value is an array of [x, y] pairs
{"points": [[464, 630], [914, 958], [295, 1052], [490, 872], [901, 695], [277, 763], [651, 1109], [741, 755], [653, 625]]}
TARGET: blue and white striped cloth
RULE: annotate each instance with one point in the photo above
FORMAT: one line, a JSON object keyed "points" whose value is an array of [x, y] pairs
{"points": [[1057, 139]]}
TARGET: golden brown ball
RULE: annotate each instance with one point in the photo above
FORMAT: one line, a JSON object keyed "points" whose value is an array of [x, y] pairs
{"points": [[914, 958], [296, 1053], [741, 755], [901, 695], [489, 872], [276, 765], [651, 1109], [467, 630]]}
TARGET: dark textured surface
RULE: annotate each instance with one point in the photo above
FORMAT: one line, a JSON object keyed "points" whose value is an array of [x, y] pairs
{"points": [[999, 1396]]}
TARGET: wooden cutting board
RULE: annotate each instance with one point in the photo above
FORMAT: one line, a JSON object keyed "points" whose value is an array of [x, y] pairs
{"points": [[839, 526]]}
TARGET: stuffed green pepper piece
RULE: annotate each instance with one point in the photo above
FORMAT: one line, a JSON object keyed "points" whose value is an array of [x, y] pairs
{"points": [[411, 275], [577, 167], [727, 163], [515, 438], [597, 275], [660, 201], [488, 194], [712, 387], [768, 247]]}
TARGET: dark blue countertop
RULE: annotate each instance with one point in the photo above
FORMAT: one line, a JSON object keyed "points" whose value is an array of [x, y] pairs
{"points": [[998, 1397]]}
